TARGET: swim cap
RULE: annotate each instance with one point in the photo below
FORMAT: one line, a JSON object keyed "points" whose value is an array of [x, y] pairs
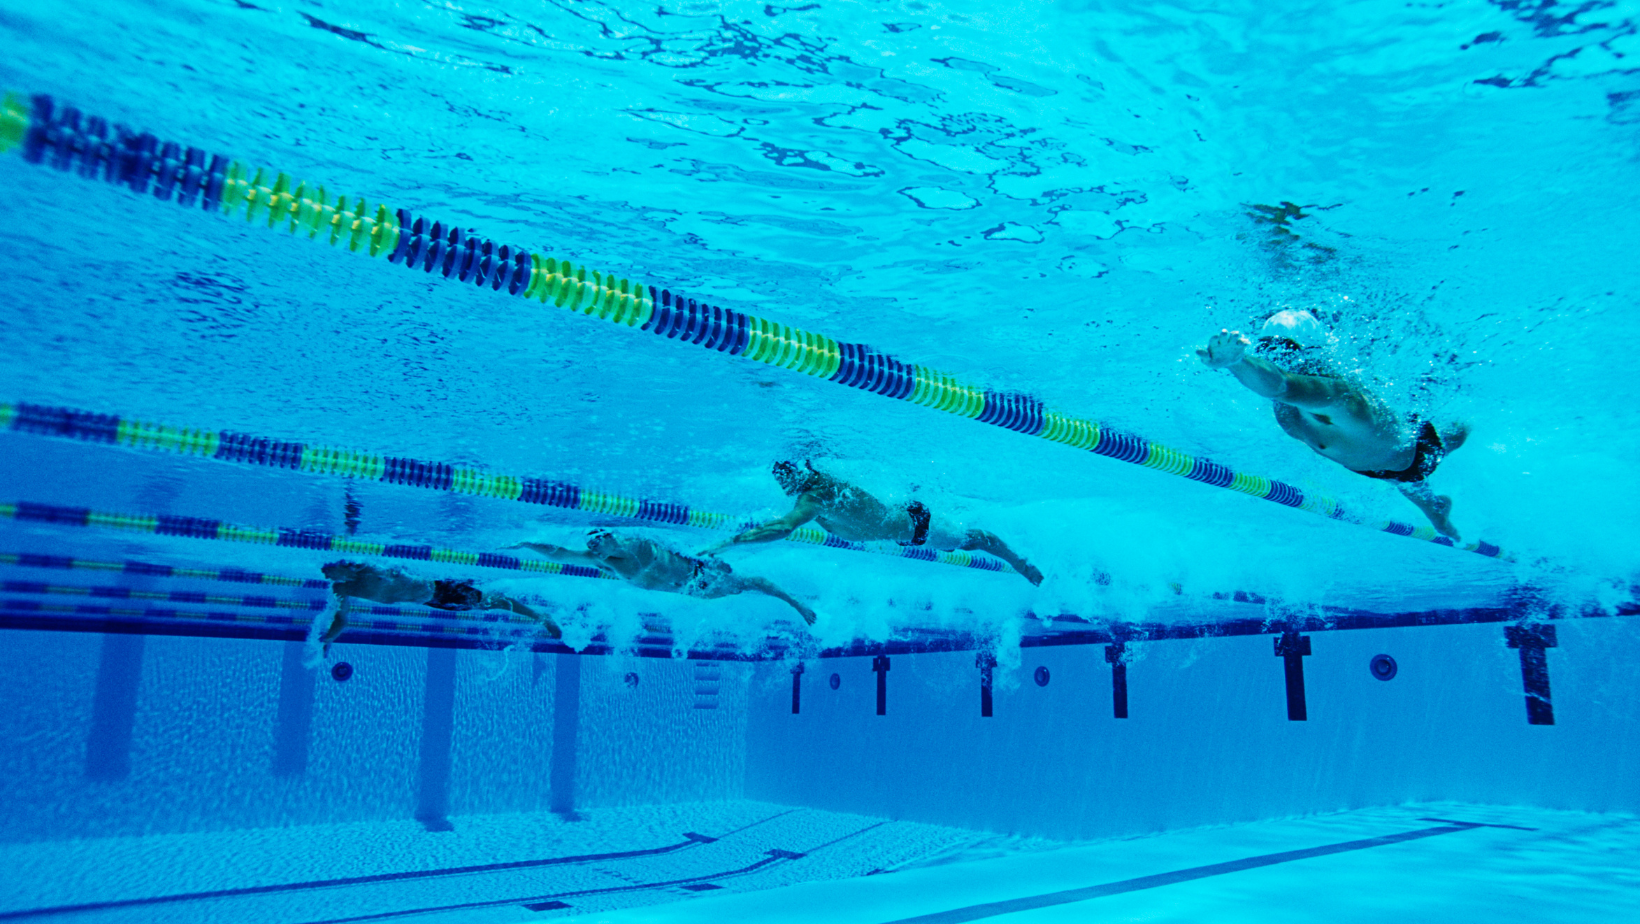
{"points": [[791, 480], [1300, 327]]}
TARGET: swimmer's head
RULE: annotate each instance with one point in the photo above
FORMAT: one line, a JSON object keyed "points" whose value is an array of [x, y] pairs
{"points": [[343, 570], [1292, 338], [1299, 328], [792, 479], [599, 539]]}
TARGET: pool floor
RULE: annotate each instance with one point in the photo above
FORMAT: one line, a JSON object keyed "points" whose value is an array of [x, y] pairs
{"points": [[751, 861]]}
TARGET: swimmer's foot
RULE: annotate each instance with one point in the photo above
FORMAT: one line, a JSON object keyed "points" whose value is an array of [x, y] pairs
{"points": [[1437, 507], [1438, 512], [1455, 435]]}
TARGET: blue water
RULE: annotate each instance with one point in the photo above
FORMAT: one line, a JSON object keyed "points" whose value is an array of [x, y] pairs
{"points": [[1061, 199]]}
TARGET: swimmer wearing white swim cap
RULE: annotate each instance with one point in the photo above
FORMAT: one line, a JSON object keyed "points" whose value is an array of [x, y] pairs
{"points": [[1332, 416]]}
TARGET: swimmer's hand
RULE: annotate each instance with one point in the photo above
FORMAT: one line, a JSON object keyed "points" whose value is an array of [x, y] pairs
{"points": [[716, 548], [1224, 349]]}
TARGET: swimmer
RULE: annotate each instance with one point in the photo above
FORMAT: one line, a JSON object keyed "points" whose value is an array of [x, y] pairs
{"points": [[355, 580], [1333, 417], [848, 512], [652, 566]]}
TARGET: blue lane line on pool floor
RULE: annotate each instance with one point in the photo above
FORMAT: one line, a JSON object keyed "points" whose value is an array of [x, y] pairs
{"points": [[114, 708], [551, 902], [554, 901], [295, 718], [437, 732], [1068, 896], [691, 839], [566, 730]]}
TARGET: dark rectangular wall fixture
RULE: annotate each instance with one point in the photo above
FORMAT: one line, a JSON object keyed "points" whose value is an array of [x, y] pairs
{"points": [[797, 688], [114, 708], [987, 668], [1533, 640], [290, 737], [1292, 648], [566, 726], [437, 730], [880, 665], [1117, 656]]}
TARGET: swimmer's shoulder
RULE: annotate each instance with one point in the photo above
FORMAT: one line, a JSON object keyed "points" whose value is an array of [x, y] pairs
{"points": [[825, 489]]}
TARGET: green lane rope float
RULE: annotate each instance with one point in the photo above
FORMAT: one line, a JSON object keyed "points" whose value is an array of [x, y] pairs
{"points": [[425, 625], [228, 446], [253, 601], [91, 147], [146, 569], [199, 528], [356, 613]]}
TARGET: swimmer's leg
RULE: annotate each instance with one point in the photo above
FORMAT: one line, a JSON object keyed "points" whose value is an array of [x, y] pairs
{"points": [[978, 540], [319, 647], [337, 624], [1454, 435], [1437, 507], [735, 584]]}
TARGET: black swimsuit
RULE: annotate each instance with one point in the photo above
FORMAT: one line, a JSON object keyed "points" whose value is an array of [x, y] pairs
{"points": [[920, 518], [1426, 455], [455, 595]]}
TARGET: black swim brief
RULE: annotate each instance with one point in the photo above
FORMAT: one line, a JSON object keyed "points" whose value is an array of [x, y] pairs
{"points": [[1427, 454], [920, 517], [455, 595], [707, 578]]}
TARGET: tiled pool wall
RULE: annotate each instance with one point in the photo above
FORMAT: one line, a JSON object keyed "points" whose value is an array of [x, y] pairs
{"points": [[123, 734], [117, 735], [1208, 738]]}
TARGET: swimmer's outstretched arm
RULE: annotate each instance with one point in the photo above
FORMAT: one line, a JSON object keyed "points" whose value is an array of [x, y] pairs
{"points": [[1228, 350], [766, 586], [556, 553], [806, 509]]}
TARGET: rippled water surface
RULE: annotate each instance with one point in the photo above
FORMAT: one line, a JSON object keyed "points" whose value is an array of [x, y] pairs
{"points": [[1059, 198]]}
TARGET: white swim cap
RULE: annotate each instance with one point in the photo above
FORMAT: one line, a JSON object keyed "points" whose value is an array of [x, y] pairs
{"points": [[1301, 327]]}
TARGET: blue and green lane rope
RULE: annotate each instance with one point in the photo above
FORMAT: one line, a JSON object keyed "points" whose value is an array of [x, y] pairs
{"points": [[304, 608], [149, 569], [202, 528], [229, 575], [71, 141], [228, 446], [425, 623]]}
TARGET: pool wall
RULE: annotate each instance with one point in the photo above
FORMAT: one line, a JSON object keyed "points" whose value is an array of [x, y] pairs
{"points": [[1208, 739], [122, 734]]}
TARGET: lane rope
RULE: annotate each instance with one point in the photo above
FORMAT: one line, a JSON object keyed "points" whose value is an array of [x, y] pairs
{"points": [[284, 537], [149, 569], [422, 625], [70, 141], [229, 446]]}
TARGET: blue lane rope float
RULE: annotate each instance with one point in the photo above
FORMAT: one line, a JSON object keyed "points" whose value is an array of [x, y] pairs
{"points": [[69, 141], [253, 601], [228, 446], [426, 624], [202, 528], [232, 575], [148, 569], [52, 617]]}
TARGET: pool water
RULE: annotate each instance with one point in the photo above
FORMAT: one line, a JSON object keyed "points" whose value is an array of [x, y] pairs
{"points": [[1061, 201]]}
